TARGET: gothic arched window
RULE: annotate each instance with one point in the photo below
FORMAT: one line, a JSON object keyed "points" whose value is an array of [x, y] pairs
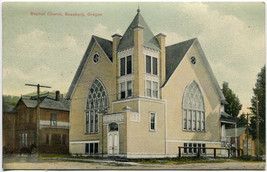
{"points": [[97, 100], [193, 108]]}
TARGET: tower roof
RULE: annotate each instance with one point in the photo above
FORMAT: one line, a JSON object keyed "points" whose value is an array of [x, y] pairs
{"points": [[149, 39]]}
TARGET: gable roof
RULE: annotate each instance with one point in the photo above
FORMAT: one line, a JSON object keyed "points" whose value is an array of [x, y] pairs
{"points": [[231, 131], [174, 55], [48, 103], [9, 109], [106, 46], [149, 40]]}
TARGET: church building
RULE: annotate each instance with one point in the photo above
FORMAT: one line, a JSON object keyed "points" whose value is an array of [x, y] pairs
{"points": [[135, 97]]}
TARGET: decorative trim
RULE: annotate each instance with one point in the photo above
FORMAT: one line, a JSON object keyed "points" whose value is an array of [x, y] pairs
{"points": [[139, 98], [193, 141], [125, 53], [109, 118], [81, 141], [151, 77], [129, 77], [135, 117], [151, 52]]}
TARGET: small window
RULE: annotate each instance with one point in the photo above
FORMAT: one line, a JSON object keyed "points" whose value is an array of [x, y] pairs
{"points": [[122, 67], [155, 66], [203, 150], [155, 90], [129, 88], [195, 147], [193, 60], [53, 120], [148, 88], [113, 127], [185, 149], [129, 64], [190, 147], [96, 58], [87, 148], [123, 93], [96, 148], [148, 64], [91, 148], [152, 121], [199, 146]]}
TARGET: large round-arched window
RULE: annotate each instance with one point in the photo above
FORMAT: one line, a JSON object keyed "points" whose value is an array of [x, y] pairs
{"points": [[97, 100], [193, 108]]}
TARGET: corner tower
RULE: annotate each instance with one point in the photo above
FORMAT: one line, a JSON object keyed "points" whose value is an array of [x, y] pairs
{"points": [[138, 55]]}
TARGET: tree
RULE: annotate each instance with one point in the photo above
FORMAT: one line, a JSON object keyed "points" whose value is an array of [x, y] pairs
{"points": [[260, 91], [242, 120], [233, 107], [9, 100]]}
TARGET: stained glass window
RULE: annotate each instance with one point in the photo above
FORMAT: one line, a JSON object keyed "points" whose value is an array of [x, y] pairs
{"points": [[97, 100], [193, 108]]}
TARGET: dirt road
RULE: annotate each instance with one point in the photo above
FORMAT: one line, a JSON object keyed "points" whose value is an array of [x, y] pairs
{"points": [[48, 164]]}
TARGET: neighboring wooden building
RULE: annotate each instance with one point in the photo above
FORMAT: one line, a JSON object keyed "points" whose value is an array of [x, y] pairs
{"points": [[54, 123], [138, 98], [242, 140], [8, 128]]}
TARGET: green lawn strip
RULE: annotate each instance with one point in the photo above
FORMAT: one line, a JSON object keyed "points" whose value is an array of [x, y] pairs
{"points": [[249, 159], [169, 161]]}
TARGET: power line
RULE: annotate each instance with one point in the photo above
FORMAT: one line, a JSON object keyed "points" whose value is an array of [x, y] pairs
{"points": [[38, 112]]}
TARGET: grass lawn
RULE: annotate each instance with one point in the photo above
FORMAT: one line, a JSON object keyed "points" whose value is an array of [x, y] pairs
{"points": [[183, 160]]}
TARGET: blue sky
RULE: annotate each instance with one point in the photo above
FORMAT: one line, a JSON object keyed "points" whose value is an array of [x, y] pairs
{"points": [[48, 49]]}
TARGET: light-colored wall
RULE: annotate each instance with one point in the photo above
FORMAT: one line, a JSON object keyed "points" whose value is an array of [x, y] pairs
{"points": [[103, 70], [140, 140], [173, 92]]}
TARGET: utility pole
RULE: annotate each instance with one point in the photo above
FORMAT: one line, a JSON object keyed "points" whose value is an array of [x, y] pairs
{"points": [[38, 113], [258, 129], [247, 132]]}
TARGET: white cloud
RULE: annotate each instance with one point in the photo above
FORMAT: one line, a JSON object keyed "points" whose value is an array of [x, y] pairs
{"points": [[32, 44]]}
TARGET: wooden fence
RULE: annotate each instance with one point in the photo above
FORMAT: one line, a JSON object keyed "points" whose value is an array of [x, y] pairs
{"points": [[239, 151]]}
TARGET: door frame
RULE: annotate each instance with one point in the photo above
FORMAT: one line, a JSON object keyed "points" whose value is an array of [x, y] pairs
{"points": [[113, 153]]}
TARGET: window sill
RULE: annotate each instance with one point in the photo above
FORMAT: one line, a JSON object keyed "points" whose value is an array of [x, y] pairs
{"points": [[91, 133], [152, 130], [194, 131]]}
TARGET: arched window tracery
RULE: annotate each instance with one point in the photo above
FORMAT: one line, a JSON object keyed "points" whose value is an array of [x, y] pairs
{"points": [[193, 108], [97, 100]]}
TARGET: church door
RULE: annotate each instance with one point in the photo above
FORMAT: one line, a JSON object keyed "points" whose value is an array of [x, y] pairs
{"points": [[113, 139]]}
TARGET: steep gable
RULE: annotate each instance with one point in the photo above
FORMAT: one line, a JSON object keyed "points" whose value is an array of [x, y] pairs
{"points": [[149, 39], [105, 45], [176, 53]]}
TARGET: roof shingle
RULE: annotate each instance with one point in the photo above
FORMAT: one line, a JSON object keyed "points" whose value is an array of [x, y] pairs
{"points": [[149, 40]]}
